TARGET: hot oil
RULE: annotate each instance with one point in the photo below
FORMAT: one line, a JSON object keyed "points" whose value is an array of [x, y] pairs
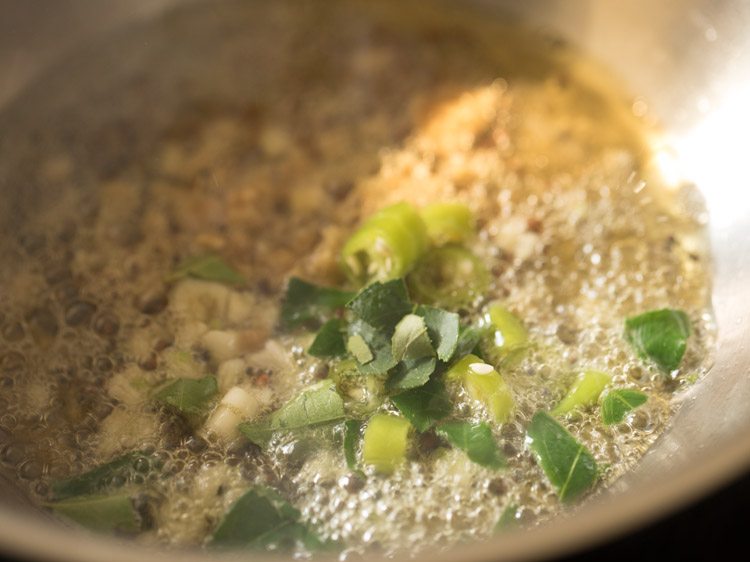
{"points": [[272, 168]]}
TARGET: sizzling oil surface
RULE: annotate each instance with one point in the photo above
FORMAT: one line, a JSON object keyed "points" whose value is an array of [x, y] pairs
{"points": [[264, 132]]}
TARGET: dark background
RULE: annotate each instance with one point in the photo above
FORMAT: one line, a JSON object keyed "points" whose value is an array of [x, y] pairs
{"points": [[716, 528]]}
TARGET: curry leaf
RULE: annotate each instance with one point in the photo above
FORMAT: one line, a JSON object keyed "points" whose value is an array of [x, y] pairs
{"points": [[306, 303], [569, 466], [115, 473], [468, 341], [378, 344], [259, 433], [410, 339], [508, 518], [208, 268], [352, 437], [329, 342], [357, 346], [619, 402], [107, 514], [261, 519], [476, 440], [412, 348], [188, 396], [412, 373], [382, 305], [443, 328], [424, 406], [316, 405], [659, 335]]}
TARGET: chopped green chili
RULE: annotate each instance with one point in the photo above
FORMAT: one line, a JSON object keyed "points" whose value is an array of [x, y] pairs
{"points": [[448, 223], [584, 392], [485, 385], [450, 276], [386, 245], [385, 442], [510, 337], [363, 393]]}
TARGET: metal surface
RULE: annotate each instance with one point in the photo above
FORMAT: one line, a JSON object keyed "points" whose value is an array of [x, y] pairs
{"points": [[690, 60]]}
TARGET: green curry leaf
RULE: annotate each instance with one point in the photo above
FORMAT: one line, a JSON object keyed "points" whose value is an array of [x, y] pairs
{"points": [[106, 514], [379, 346], [468, 341], [115, 473], [569, 466], [382, 305], [329, 341], [476, 440], [424, 406], [659, 335], [188, 396], [412, 372], [617, 403], [208, 268], [410, 339], [412, 348], [352, 438], [261, 518], [443, 328], [318, 404], [508, 518], [305, 303]]}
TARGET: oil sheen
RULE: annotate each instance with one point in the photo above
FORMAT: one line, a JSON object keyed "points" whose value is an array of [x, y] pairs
{"points": [[265, 131]]}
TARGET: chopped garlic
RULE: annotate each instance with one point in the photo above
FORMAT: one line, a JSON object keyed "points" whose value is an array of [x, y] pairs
{"points": [[125, 429], [236, 406], [230, 373], [211, 303], [222, 344], [129, 386]]}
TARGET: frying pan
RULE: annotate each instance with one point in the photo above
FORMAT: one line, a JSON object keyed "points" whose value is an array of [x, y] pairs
{"points": [[690, 61]]}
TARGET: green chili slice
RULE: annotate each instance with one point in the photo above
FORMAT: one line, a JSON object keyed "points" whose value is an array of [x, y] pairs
{"points": [[448, 223], [386, 246], [385, 442], [510, 333], [485, 385], [584, 392], [449, 277]]}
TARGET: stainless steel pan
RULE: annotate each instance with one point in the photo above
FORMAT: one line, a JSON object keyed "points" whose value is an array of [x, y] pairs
{"points": [[690, 60]]}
